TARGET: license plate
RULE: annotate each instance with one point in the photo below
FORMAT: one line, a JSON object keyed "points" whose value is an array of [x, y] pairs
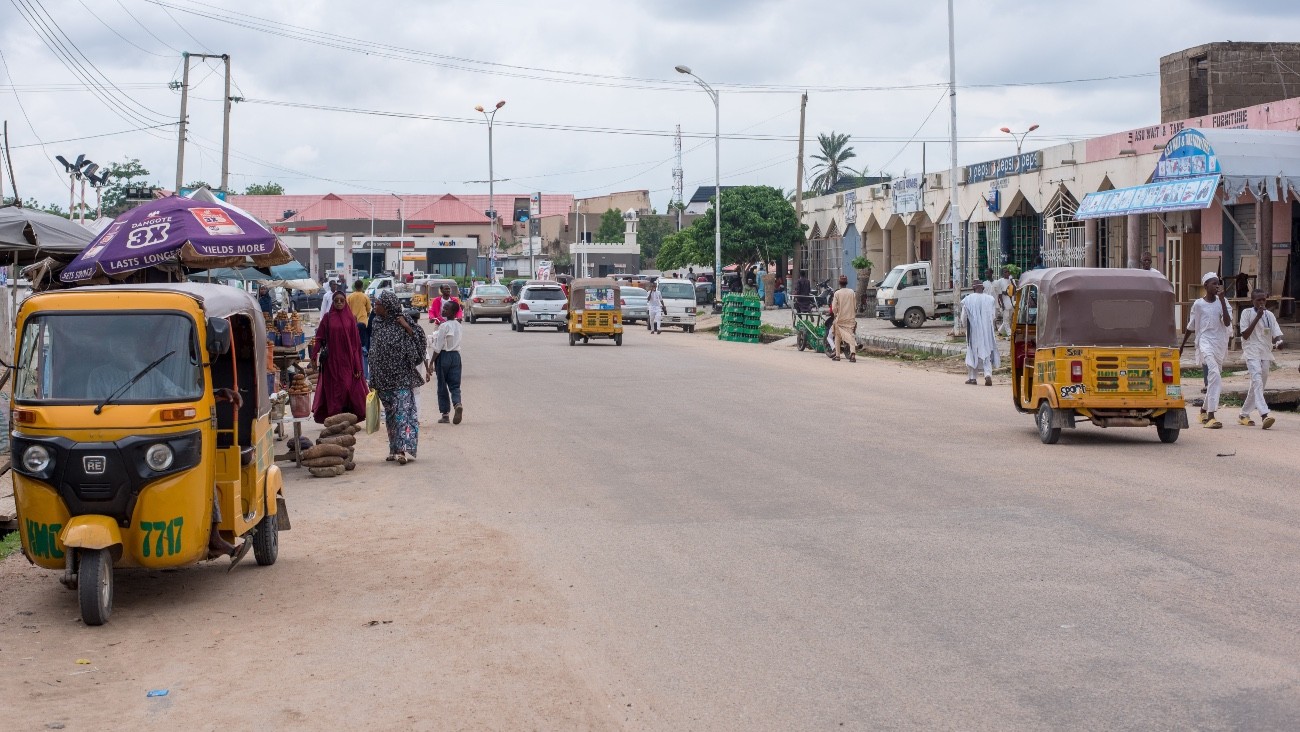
{"points": [[543, 316], [1174, 391], [494, 302]]}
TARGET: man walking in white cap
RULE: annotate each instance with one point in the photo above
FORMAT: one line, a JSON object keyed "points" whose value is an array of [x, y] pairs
{"points": [[1211, 321]]}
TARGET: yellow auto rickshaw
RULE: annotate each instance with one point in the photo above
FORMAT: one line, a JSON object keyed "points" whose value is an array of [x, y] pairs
{"points": [[128, 449], [595, 310], [1098, 344]]}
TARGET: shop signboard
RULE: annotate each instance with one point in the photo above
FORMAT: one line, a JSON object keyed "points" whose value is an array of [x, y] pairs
{"points": [[907, 194], [1004, 167], [1186, 155], [1182, 194], [851, 207]]}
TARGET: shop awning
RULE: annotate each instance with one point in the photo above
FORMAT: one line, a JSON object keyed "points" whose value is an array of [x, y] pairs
{"points": [[1196, 162], [1186, 194]]}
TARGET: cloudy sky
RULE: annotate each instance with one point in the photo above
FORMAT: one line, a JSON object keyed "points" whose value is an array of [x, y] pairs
{"points": [[592, 98]]}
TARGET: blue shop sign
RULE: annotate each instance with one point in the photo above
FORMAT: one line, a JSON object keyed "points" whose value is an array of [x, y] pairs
{"points": [[1187, 154], [1003, 167]]}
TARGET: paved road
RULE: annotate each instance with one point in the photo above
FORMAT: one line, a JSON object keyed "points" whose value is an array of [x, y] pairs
{"points": [[687, 534]]}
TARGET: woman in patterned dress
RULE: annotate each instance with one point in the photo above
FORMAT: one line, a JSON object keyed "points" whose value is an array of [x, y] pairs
{"points": [[396, 352]]}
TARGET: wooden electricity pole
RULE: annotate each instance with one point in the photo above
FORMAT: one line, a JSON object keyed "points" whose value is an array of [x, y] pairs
{"points": [[798, 192]]}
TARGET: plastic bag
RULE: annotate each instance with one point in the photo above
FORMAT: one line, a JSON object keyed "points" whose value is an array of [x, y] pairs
{"points": [[372, 412]]}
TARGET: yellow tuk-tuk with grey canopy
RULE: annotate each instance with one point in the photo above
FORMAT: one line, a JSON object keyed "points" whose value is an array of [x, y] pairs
{"points": [[1098, 344], [141, 432]]}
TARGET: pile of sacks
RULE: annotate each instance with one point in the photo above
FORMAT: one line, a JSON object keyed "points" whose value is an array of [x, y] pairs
{"points": [[333, 451]]}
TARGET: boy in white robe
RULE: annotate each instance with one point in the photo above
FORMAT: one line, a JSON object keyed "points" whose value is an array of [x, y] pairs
{"points": [[1260, 334], [977, 313], [1211, 320]]}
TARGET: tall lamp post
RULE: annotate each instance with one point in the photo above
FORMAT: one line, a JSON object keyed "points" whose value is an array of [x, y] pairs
{"points": [[492, 207], [717, 184], [1019, 137]]}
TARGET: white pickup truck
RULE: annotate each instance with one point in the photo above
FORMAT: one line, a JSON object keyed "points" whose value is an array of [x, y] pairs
{"points": [[907, 298]]}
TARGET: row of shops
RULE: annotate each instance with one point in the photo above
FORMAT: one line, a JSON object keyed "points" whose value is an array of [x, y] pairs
{"points": [[1203, 194]]}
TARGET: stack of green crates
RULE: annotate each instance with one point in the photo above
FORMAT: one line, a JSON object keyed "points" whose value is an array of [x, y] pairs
{"points": [[741, 318]]}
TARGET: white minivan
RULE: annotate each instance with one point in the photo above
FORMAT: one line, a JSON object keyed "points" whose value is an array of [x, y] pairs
{"points": [[679, 301]]}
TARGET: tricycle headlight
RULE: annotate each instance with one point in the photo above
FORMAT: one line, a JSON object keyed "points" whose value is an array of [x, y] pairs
{"points": [[159, 457], [36, 459]]}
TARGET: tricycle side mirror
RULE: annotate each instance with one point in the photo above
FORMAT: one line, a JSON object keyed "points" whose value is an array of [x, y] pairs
{"points": [[218, 337]]}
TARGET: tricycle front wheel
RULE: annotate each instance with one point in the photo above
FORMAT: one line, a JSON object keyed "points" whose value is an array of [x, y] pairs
{"points": [[95, 585]]}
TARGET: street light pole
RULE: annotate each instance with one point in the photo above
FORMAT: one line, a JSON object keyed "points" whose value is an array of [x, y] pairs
{"points": [[717, 184], [1019, 137], [492, 205]]}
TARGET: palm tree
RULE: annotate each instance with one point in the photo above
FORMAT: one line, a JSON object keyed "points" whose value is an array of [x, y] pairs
{"points": [[831, 166]]}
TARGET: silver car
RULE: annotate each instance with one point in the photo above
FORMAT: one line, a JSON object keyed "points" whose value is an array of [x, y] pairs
{"points": [[541, 305], [635, 305], [489, 301]]}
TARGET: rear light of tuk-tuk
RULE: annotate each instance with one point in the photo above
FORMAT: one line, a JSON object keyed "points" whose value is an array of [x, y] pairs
{"points": [[523, 306], [24, 416], [178, 415], [1076, 372], [1167, 372]]}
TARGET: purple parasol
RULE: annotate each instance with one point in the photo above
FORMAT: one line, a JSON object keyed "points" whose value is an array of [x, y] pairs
{"points": [[197, 234]]}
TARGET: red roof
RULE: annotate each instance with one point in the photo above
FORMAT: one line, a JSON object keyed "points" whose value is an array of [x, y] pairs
{"points": [[443, 208]]}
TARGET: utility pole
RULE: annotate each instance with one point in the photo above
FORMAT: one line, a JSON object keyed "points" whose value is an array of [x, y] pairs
{"points": [[798, 187], [225, 128], [180, 140], [953, 210], [225, 131]]}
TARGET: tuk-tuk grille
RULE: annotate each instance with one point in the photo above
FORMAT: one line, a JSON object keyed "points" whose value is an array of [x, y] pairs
{"points": [[1130, 374], [598, 320]]}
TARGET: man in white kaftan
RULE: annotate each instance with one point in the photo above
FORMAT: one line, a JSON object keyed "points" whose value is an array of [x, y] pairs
{"points": [[977, 313]]}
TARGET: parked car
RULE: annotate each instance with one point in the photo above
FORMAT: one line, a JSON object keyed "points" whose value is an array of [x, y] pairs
{"points": [[543, 304], [679, 300], [516, 285], [635, 305], [306, 301], [489, 301]]}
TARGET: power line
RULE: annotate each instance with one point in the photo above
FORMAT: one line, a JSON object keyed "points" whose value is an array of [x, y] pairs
{"points": [[146, 28], [54, 167], [458, 63], [116, 33], [95, 137]]}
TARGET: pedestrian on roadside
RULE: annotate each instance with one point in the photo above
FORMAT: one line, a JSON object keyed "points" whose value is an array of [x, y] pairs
{"points": [[843, 305], [988, 283], [977, 313], [1144, 262], [1211, 320], [396, 352], [336, 351], [447, 364], [655, 308], [361, 307], [803, 292], [1002, 291], [436, 306], [1257, 343], [264, 300], [327, 298]]}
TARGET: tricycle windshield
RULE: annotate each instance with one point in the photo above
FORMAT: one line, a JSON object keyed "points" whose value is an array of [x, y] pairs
{"points": [[891, 279], [84, 358]]}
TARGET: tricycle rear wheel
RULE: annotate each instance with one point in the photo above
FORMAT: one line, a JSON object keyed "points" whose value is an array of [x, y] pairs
{"points": [[618, 339], [95, 585], [1046, 432], [1168, 435], [266, 541]]}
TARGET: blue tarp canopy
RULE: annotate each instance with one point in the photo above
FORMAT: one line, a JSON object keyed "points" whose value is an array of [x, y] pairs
{"points": [[290, 271]]}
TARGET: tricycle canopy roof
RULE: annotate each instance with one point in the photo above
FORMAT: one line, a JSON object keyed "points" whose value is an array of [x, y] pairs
{"points": [[216, 301], [585, 282], [1081, 306]]}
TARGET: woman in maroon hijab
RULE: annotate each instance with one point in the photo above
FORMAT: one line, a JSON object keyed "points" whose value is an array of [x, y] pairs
{"points": [[337, 352]]}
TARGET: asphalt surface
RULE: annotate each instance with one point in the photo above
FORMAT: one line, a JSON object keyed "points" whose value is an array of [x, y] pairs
{"points": [[757, 538], [681, 533]]}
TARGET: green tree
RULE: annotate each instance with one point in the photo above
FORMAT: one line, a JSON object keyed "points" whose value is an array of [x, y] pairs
{"points": [[121, 176], [757, 224], [201, 184], [270, 188], [835, 152], [650, 233], [611, 227], [53, 208]]}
